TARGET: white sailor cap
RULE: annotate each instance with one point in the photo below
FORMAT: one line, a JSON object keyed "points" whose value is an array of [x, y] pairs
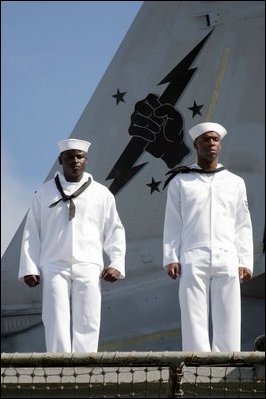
{"points": [[73, 144], [205, 127]]}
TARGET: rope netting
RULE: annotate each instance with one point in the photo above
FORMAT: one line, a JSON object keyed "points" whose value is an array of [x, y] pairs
{"points": [[133, 375]]}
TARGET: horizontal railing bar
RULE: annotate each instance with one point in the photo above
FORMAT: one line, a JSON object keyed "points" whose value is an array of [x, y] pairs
{"points": [[165, 358]]}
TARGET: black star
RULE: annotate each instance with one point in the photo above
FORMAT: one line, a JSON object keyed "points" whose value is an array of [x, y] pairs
{"points": [[196, 109], [154, 185], [119, 96]]}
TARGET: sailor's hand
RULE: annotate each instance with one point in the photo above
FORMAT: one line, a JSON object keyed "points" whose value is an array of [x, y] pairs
{"points": [[32, 280], [110, 274], [174, 270], [244, 274]]}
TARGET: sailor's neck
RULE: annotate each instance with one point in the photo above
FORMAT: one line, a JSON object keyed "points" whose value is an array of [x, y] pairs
{"points": [[207, 166], [73, 179]]}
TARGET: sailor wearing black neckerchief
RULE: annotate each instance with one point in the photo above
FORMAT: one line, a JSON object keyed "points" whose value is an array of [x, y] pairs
{"points": [[208, 243], [71, 222]]}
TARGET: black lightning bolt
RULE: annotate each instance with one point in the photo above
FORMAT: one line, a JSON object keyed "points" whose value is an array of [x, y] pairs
{"points": [[178, 79]]}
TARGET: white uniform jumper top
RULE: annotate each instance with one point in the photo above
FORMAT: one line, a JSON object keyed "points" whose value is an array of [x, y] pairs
{"points": [[208, 231], [69, 255]]}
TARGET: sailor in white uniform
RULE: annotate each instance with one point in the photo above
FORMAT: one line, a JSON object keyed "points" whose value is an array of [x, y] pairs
{"points": [[208, 243], [71, 222]]}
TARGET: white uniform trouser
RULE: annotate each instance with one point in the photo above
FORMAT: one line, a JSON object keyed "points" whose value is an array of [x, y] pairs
{"points": [[210, 286], [71, 310]]}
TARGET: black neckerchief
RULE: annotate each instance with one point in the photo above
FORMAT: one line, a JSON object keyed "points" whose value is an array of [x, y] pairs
{"points": [[186, 169], [72, 208]]}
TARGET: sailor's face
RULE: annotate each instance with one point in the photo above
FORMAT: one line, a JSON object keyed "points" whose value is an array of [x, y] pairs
{"points": [[73, 163], [208, 146]]}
